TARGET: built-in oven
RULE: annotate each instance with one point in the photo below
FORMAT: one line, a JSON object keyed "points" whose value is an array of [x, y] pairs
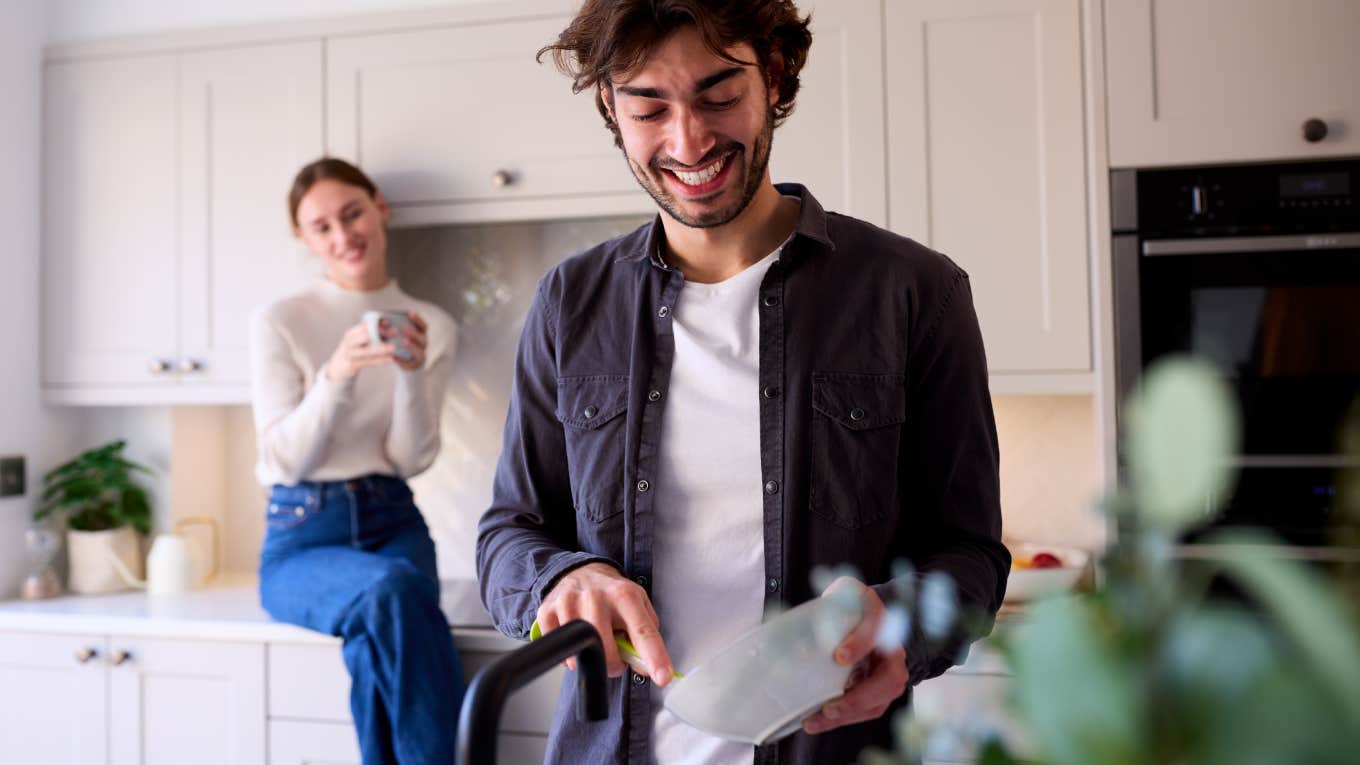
{"points": [[1255, 268]]}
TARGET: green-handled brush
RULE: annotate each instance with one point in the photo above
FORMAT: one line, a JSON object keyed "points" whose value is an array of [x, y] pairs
{"points": [[627, 652]]}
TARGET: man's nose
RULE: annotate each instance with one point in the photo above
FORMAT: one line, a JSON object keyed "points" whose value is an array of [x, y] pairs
{"points": [[691, 137]]}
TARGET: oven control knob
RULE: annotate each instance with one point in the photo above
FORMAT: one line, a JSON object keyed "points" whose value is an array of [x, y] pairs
{"points": [[1199, 201], [1314, 130]]}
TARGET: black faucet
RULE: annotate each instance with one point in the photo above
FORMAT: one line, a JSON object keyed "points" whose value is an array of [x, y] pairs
{"points": [[486, 695]]}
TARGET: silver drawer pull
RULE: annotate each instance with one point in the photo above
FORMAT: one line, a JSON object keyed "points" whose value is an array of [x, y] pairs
{"points": [[159, 366], [120, 657], [86, 655]]}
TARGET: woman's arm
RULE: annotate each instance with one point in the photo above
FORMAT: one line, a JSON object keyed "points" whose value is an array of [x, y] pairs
{"points": [[417, 402], [292, 423]]}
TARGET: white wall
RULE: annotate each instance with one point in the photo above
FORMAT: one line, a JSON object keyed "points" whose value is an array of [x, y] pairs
{"points": [[27, 427], [72, 20]]}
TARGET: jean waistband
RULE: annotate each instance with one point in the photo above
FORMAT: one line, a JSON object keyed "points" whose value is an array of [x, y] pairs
{"points": [[376, 485]]}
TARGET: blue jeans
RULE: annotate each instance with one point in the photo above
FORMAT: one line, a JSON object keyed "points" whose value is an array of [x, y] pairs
{"points": [[354, 559]]}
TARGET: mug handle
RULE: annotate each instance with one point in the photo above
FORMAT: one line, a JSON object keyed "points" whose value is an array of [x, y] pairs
{"points": [[203, 520]]}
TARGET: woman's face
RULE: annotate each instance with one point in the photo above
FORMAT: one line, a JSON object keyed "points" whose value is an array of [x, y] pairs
{"points": [[345, 227]]}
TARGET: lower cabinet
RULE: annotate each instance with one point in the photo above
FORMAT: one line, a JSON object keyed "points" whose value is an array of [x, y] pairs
{"points": [[968, 699], [310, 722], [130, 701]]}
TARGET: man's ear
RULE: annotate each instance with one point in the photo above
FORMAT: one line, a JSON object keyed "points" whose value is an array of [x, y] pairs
{"points": [[383, 208], [607, 99], [774, 74]]}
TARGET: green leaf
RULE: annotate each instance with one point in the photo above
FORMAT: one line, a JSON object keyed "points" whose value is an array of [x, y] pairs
{"points": [[1306, 611], [993, 752]]}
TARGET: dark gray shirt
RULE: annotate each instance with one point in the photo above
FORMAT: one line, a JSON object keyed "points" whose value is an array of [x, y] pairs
{"points": [[877, 443]]}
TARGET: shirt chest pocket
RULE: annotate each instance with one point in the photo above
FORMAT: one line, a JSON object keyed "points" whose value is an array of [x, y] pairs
{"points": [[856, 437], [591, 411]]}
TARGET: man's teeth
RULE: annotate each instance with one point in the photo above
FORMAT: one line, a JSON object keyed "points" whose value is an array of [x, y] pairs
{"points": [[703, 176]]}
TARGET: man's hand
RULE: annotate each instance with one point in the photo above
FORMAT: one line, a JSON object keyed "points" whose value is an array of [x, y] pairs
{"points": [[599, 594], [876, 683]]}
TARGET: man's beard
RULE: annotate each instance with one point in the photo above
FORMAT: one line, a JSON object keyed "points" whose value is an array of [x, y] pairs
{"points": [[754, 172]]}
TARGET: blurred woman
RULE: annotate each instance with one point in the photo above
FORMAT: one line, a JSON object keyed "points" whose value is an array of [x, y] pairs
{"points": [[343, 418]]}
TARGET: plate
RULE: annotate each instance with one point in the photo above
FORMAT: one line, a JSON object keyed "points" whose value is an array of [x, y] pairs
{"points": [[762, 686], [1030, 583]]}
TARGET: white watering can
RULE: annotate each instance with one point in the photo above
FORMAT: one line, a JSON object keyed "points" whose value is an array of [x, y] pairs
{"points": [[170, 567]]}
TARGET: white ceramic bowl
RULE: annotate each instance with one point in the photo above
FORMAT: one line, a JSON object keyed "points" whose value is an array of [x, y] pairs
{"points": [[1029, 583], [760, 687]]}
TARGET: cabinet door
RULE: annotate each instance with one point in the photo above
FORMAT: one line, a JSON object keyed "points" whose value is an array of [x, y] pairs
{"points": [[1230, 80], [986, 165], [834, 141], [462, 124], [250, 117], [178, 701], [110, 227], [304, 742], [52, 703]]}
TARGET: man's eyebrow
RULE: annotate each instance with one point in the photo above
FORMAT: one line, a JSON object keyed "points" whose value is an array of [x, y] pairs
{"points": [[699, 87]]}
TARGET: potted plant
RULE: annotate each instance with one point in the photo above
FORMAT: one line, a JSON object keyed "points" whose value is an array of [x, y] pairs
{"points": [[105, 509]]}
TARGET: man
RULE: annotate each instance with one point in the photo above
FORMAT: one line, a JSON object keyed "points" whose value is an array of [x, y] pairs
{"points": [[748, 387]]}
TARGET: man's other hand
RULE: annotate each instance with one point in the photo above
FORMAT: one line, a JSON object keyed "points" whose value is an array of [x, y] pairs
{"points": [[878, 680], [599, 594]]}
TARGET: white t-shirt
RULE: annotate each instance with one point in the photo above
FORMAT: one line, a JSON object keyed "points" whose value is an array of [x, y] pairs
{"points": [[708, 552], [382, 420]]}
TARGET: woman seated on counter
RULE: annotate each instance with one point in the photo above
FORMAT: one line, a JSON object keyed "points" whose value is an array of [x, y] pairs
{"points": [[346, 407]]}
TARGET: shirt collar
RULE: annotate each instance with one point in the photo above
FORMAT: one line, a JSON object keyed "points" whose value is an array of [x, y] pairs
{"points": [[811, 225]]}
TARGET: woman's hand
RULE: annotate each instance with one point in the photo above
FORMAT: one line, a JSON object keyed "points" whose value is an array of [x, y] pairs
{"points": [[413, 339], [356, 352]]}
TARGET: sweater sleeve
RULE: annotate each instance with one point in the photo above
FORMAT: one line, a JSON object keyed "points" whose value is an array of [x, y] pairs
{"points": [[293, 423], [417, 402]]}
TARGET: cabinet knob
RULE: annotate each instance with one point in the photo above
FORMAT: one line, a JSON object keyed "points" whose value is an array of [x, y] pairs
{"points": [[120, 657], [159, 366], [1314, 130], [190, 366], [502, 178], [87, 654]]}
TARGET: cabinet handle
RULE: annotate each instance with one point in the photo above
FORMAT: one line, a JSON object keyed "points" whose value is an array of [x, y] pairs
{"points": [[159, 366], [87, 654], [1314, 130], [120, 657], [190, 366], [502, 178]]}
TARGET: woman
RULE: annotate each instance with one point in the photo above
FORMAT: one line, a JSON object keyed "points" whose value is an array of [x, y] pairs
{"points": [[342, 421]]}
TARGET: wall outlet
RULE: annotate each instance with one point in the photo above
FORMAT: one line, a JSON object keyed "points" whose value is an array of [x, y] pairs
{"points": [[11, 476]]}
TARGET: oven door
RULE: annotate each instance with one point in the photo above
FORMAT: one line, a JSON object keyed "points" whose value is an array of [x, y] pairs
{"points": [[1280, 318]]}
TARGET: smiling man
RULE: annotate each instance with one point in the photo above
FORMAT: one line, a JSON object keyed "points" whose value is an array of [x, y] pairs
{"points": [[747, 388]]}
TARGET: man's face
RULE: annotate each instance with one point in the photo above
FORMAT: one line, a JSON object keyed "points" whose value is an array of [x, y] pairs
{"points": [[696, 129]]}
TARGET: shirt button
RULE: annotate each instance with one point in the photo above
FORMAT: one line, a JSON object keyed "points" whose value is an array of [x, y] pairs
{"points": [[641, 580], [639, 679], [772, 585], [771, 392], [654, 395], [856, 414], [771, 487], [643, 486], [663, 311], [771, 301], [591, 411]]}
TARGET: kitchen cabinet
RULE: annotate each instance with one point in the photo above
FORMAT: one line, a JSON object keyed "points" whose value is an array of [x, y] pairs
{"points": [[130, 700], [163, 216], [1230, 80], [986, 164], [461, 124], [53, 706]]}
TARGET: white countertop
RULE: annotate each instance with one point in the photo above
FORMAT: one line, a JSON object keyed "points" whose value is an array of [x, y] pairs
{"points": [[229, 609]]}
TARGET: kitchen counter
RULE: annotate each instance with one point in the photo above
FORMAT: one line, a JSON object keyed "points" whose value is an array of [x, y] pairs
{"points": [[228, 609]]}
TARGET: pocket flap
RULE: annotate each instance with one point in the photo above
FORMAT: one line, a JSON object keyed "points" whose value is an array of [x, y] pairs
{"points": [[589, 402], [860, 401]]}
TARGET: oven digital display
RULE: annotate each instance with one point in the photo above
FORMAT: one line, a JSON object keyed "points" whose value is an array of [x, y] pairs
{"points": [[1315, 185]]}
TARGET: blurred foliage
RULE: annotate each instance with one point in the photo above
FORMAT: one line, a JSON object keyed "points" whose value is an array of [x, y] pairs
{"points": [[1154, 666], [96, 491]]}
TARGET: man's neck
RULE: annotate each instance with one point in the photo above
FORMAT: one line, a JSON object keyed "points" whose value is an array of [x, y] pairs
{"points": [[711, 255]]}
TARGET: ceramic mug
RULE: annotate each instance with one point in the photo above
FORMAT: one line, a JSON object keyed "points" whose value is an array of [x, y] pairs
{"points": [[396, 320]]}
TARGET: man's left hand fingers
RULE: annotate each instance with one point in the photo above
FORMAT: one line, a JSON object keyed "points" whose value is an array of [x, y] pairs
{"points": [[867, 699], [860, 642]]}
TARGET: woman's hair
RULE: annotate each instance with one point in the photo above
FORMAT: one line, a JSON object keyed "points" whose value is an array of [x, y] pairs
{"points": [[609, 38], [321, 169]]}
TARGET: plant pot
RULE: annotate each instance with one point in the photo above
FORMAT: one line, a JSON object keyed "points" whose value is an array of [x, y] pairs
{"points": [[90, 554]]}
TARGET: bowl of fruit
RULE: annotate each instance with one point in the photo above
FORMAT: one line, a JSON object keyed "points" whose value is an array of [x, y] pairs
{"points": [[1043, 569]]}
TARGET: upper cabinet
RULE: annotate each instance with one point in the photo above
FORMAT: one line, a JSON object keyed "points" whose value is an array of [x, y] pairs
{"points": [[164, 216], [986, 164], [833, 141], [461, 123], [1231, 80]]}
